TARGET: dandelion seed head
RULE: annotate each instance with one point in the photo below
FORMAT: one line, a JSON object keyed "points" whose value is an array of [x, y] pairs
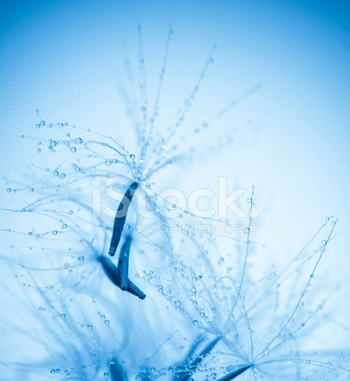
{"points": [[210, 314]]}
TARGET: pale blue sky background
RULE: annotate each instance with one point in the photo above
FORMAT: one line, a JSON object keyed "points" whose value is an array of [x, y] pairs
{"points": [[64, 57]]}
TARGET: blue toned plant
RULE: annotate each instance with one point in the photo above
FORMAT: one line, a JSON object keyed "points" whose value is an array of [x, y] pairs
{"points": [[108, 274]]}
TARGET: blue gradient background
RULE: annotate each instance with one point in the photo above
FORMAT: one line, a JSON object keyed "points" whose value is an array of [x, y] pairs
{"points": [[64, 57]]}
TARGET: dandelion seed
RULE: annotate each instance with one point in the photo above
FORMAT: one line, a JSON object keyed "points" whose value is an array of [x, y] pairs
{"points": [[123, 263], [120, 217], [113, 274], [116, 371], [191, 366]]}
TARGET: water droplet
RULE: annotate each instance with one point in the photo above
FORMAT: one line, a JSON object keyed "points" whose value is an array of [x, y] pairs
{"points": [[52, 371], [70, 211], [62, 175], [63, 316], [96, 181], [132, 157], [73, 149], [54, 232], [8, 190], [78, 141]]}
